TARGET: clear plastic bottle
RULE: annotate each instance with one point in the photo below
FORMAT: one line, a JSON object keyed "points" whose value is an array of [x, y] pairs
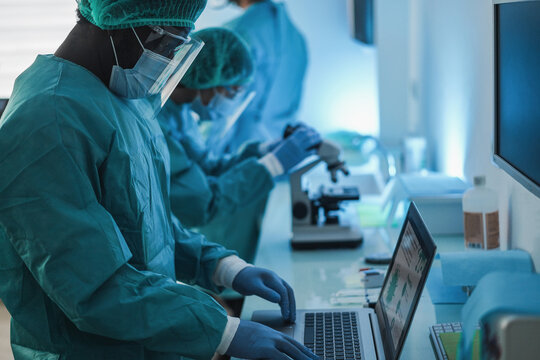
{"points": [[481, 216]]}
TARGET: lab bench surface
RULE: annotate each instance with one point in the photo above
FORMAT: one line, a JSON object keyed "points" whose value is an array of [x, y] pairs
{"points": [[315, 275]]}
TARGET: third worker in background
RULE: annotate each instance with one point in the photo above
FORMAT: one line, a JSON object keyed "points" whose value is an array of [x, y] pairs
{"points": [[224, 197], [280, 56]]}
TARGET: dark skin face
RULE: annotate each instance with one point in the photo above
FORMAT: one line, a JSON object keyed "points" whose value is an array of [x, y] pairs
{"points": [[90, 47], [244, 4], [183, 95]]}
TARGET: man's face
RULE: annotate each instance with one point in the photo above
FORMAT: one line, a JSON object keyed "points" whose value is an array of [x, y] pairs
{"points": [[182, 95], [208, 94]]}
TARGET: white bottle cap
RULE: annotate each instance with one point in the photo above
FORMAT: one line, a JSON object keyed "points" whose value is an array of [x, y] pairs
{"points": [[479, 180]]}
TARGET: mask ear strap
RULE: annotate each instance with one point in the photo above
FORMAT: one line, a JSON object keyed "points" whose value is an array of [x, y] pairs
{"points": [[139, 40], [114, 50]]}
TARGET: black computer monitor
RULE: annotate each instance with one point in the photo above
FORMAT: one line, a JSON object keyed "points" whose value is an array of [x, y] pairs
{"points": [[517, 90]]}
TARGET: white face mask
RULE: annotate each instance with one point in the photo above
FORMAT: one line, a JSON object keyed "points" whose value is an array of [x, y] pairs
{"points": [[205, 112], [222, 107], [219, 116], [231, 109], [136, 83]]}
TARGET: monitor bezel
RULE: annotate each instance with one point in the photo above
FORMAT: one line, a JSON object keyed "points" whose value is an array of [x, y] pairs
{"points": [[428, 245], [497, 159]]}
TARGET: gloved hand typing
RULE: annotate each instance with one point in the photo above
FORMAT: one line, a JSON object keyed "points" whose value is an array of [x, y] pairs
{"points": [[267, 285], [256, 341]]}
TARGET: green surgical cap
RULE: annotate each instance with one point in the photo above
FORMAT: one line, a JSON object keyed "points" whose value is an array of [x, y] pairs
{"points": [[121, 14], [224, 60]]}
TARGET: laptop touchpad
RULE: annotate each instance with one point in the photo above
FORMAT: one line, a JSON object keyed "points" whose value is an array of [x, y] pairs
{"points": [[273, 319]]}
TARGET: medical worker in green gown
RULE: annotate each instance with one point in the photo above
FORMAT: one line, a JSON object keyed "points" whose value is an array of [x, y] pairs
{"points": [[224, 197], [280, 54], [90, 253]]}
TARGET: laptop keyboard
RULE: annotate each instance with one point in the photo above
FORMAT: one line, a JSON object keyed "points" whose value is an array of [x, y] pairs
{"points": [[332, 335]]}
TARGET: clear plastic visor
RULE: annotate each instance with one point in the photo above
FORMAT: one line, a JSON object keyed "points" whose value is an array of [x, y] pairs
{"points": [[178, 51]]}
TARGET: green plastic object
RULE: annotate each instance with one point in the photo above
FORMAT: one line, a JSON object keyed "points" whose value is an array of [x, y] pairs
{"points": [[450, 342], [372, 216], [122, 14], [357, 149], [224, 61]]}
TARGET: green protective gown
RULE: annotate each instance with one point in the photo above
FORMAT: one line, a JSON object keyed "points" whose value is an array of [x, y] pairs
{"points": [[280, 55], [223, 198], [89, 250], [179, 121]]}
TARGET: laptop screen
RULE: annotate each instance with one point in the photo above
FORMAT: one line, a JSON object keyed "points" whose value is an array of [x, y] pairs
{"points": [[404, 282]]}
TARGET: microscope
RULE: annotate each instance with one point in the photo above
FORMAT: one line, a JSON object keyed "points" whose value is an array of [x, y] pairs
{"points": [[318, 219]]}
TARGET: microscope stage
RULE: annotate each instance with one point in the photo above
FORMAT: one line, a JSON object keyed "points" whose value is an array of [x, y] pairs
{"points": [[327, 237]]}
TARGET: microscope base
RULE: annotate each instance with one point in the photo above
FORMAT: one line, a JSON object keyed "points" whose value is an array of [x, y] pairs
{"points": [[325, 237]]}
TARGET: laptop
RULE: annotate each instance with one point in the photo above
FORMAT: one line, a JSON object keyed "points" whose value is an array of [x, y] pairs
{"points": [[364, 333]]}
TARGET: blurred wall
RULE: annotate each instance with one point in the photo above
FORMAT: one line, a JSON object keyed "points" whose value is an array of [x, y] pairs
{"points": [[392, 36], [456, 87], [28, 28]]}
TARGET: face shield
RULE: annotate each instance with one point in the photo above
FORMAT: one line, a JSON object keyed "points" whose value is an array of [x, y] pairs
{"points": [[226, 103], [219, 116], [165, 59], [229, 105]]}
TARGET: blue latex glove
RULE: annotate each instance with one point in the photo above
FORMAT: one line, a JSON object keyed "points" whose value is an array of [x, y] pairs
{"points": [[291, 128], [267, 285], [256, 341], [298, 146], [274, 144], [269, 146]]}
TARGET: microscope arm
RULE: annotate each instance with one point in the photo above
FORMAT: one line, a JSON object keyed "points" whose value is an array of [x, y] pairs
{"points": [[299, 197], [330, 152]]}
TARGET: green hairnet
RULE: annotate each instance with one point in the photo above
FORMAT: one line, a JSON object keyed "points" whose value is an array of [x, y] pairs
{"points": [[121, 14], [224, 60]]}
